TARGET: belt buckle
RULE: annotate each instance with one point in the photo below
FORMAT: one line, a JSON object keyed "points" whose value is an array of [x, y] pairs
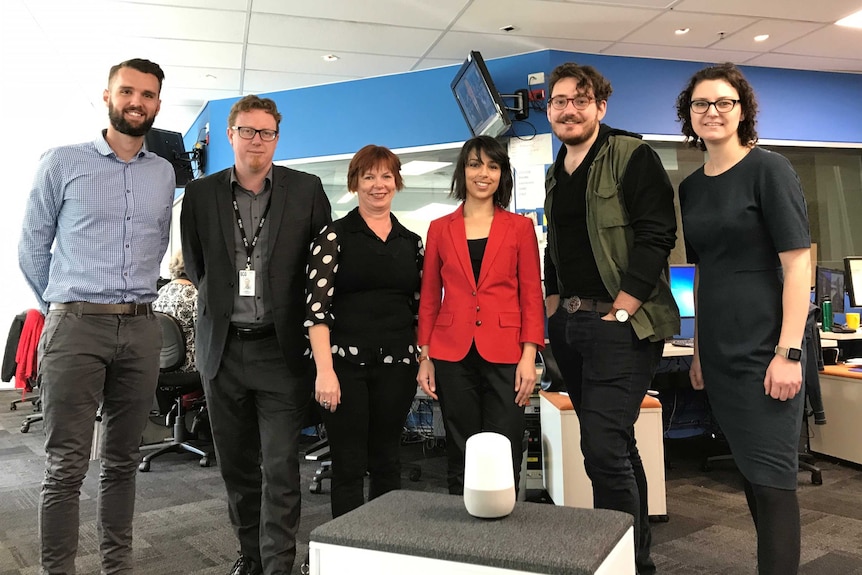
{"points": [[573, 304]]}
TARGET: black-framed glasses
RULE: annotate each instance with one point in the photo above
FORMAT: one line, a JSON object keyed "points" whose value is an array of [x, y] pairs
{"points": [[722, 105], [250, 133], [579, 102]]}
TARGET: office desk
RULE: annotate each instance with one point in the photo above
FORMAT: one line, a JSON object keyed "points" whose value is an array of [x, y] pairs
{"points": [[831, 335], [421, 533], [842, 401]]}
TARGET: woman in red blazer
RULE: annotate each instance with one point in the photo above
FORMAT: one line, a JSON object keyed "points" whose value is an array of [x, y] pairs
{"points": [[480, 312]]}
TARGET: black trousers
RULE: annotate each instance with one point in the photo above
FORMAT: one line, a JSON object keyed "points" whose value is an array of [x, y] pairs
{"points": [[607, 371], [477, 395], [365, 430], [256, 413]]}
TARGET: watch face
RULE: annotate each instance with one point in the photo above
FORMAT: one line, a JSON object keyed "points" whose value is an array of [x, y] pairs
{"points": [[794, 354], [622, 315]]}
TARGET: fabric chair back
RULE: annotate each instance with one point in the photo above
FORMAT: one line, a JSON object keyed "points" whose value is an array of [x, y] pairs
{"points": [[173, 353]]}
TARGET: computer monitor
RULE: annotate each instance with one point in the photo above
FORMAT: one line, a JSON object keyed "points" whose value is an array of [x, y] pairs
{"points": [[170, 146], [682, 288], [830, 283], [478, 99], [853, 279]]}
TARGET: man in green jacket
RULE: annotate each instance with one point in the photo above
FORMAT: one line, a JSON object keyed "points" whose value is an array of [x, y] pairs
{"points": [[611, 227]]}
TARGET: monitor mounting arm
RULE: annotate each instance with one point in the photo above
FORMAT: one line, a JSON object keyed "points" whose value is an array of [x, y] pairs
{"points": [[521, 107]]}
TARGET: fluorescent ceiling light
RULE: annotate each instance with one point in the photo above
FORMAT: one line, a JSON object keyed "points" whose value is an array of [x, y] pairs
{"points": [[431, 211], [346, 198], [851, 21], [761, 38], [681, 31], [419, 167]]}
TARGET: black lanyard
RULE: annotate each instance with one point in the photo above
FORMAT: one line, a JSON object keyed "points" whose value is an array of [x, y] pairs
{"points": [[249, 247]]}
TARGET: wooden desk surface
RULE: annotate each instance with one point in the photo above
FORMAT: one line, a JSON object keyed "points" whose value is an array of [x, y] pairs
{"points": [[843, 370]]}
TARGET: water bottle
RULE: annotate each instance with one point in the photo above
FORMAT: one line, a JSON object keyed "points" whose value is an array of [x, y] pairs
{"points": [[826, 308]]}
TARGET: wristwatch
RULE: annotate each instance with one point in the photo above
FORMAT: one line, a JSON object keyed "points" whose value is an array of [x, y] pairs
{"points": [[621, 315], [791, 353]]}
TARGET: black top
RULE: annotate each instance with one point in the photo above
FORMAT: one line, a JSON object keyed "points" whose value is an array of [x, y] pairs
{"points": [[477, 252], [366, 290], [644, 183]]}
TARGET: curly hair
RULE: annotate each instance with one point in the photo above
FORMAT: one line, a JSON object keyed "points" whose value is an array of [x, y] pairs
{"points": [[496, 153], [370, 157], [747, 131], [586, 76], [252, 102]]}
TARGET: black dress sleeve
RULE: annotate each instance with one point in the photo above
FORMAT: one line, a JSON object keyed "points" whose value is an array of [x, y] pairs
{"points": [[320, 280]]}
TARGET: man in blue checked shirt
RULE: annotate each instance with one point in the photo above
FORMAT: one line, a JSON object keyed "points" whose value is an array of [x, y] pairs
{"points": [[95, 230]]}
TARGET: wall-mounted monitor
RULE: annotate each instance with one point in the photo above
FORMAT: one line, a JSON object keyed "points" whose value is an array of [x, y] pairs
{"points": [[682, 289], [169, 145], [853, 279], [478, 99]]}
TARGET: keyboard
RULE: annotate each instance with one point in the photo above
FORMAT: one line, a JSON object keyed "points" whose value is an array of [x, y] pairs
{"points": [[688, 342]]}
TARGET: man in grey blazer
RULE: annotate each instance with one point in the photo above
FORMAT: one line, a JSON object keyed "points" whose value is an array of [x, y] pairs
{"points": [[246, 232]]}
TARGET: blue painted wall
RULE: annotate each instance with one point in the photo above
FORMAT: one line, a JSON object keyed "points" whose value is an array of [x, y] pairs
{"points": [[417, 108]]}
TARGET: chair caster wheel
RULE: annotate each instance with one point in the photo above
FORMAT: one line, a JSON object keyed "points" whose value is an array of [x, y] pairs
{"points": [[25, 427], [816, 478], [706, 467], [144, 466], [204, 462], [315, 488], [13, 407], [415, 474]]}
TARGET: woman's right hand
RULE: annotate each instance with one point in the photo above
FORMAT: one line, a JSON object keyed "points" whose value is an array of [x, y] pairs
{"points": [[425, 378], [327, 390], [694, 373]]}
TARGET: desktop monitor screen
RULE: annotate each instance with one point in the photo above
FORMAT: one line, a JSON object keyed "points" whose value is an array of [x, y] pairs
{"points": [[478, 99], [830, 283], [682, 288], [169, 145], [853, 279]]}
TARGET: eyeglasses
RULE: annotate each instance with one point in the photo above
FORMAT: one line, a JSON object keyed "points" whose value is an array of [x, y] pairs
{"points": [[579, 102], [250, 133], [723, 105]]}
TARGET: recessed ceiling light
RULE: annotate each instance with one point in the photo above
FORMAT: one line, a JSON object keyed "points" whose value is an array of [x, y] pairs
{"points": [[330, 58], [761, 38], [681, 31], [507, 28], [346, 198], [852, 21], [419, 167]]}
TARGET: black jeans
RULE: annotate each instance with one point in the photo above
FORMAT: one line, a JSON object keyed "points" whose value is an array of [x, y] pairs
{"points": [[365, 430], [607, 371], [477, 395]]}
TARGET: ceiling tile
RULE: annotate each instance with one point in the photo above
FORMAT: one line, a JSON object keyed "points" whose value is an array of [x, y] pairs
{"points": [[797, 62], [553, 19], [658, 4], [258, 82], [335, 36], [235, 5], [780, 33], [670, 53], [827, 42], [829, 11], [704, 29], [457, 45], [350, 65], [412, 13]]}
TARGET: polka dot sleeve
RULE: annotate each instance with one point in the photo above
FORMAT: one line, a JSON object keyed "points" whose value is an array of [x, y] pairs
{"points": [[320, 280]]}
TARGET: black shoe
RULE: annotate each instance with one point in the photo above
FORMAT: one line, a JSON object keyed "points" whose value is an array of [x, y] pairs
{"points": [[245, 566]]}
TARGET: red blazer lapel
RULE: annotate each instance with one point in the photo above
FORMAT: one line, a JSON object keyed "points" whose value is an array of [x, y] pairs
{"points": [[458, 235], [496, 238]]}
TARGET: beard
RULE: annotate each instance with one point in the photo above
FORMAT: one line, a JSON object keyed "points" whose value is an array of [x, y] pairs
{"points": [[589, 129], [119, 122]]}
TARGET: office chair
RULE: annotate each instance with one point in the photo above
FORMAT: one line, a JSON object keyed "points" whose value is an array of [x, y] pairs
{"points": [[37, 414], [174, 385]]}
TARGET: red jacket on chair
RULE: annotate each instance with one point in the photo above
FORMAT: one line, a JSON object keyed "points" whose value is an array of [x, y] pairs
{"points": [[502, 312]]}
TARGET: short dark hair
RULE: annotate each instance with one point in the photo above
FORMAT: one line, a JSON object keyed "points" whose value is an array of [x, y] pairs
{"points": [[252, 102], [496, 153], [587, 78], [368, 158], [140, 65], [747, 131]]}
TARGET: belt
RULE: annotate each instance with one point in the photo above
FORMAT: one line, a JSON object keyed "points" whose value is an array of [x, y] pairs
{"points": [[85, 308], [575, 303], [251, 333]]}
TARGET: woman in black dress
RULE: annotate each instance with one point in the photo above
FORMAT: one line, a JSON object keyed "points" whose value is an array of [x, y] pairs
{"points": [[363, 296], [746, 229]]}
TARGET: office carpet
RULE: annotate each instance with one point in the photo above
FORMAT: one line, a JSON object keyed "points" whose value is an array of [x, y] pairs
{"points": [[181, 524]]}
